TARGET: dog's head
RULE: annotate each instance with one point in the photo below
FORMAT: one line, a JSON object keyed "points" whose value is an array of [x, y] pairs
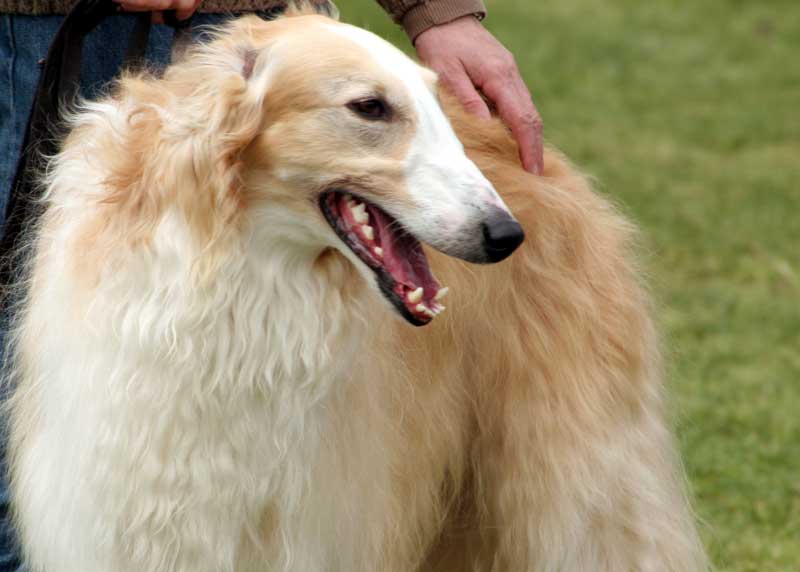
{"points": [[348, 147]]}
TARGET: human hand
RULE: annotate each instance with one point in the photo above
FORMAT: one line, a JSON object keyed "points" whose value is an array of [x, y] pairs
{"points": [[183, 8], [468, 58]]}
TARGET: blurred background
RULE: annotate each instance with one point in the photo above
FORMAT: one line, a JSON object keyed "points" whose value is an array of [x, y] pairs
{"points": [[687, 114]]}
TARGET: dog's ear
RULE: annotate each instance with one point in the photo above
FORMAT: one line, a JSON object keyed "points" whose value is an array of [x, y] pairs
{"points": [[249, 56], [235, 113], [182, 144], [243, 45]]}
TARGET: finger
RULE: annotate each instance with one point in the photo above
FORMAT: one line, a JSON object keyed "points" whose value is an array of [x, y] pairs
{"points": [[515, 107], [183, 14], [533, 120], [145, 5], [127, 7], [537, 149], [457, 80], [185, 8]]}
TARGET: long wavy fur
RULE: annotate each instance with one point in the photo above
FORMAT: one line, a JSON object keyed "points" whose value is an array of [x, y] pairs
{"points": [[191, 399]]}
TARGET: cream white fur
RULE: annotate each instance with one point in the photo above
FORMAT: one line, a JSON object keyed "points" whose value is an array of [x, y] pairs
{"points": [[266, 410], [208, 407]]}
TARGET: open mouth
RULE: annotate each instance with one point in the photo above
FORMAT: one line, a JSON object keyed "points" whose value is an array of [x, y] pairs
{"points": [[391, 252]]}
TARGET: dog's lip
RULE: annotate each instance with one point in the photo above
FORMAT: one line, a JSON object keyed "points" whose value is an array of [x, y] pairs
{"points": [[402, 272]]}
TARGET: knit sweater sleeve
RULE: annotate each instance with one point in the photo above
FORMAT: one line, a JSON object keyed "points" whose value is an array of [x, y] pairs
{"points": [[416, 16]]}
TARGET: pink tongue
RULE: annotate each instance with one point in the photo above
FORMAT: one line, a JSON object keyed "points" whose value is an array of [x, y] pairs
{"points": [[402, 255]]}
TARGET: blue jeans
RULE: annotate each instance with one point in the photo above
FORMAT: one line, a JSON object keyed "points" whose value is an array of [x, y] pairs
{"points": [[23, 43]]}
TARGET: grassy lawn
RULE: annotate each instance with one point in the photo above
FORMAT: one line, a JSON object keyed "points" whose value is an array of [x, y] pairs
{"points": [[688, 115]]}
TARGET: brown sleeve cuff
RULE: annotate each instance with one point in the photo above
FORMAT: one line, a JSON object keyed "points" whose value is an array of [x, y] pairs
{"points": [[434, 12]]}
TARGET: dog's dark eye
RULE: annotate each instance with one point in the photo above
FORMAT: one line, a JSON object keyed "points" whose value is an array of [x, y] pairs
{"points": [[373, 108]]}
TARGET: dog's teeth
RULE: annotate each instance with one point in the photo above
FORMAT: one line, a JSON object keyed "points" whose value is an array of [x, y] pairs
{"points": [[436, 308], [415, 296], [423, 309], [368, 232], [378, 251], [441, 293], [360, 213]]}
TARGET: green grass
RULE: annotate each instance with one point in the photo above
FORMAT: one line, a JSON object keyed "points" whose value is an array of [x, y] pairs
{"points": [[688, 115]]}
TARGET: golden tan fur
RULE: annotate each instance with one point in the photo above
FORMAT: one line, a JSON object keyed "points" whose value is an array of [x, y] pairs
{"points": [[563, 368], [535, 414], [523, 429]]}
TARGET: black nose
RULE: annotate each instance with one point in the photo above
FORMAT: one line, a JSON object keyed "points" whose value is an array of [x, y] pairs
{"points": [[501, 235]]}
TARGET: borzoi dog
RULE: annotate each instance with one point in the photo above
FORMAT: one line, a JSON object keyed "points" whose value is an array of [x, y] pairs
{"points": [[215, 363]]}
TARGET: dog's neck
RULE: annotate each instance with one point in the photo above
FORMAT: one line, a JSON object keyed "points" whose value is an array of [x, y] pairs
{"points": [[312, 305], [305, 305], [275, 314]]}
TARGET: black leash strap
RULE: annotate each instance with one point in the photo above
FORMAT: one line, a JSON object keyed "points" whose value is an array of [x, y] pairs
{"points": [[57, 90]]}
